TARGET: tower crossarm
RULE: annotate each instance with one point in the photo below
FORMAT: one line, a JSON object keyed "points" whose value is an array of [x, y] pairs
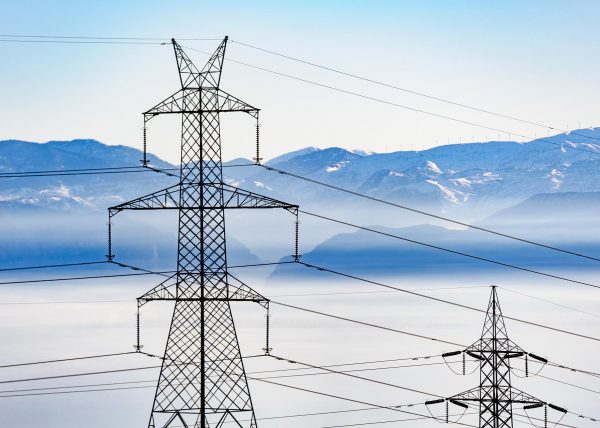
{"points": [[233, 197], [466, 396], [516, 397], [521, 397], [504, 347], [169, 290], [188, 100], [163, 199], [166, 290]]}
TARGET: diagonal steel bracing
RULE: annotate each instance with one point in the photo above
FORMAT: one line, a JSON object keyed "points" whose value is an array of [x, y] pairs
{"points": [[495, 396], [202, 381]]}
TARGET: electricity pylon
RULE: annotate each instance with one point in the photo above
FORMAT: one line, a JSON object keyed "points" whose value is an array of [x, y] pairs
{"points": [[495, 396], [202, 380]]}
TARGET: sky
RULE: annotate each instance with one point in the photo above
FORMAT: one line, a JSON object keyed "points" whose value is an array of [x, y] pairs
{"points": [[534, 60]]}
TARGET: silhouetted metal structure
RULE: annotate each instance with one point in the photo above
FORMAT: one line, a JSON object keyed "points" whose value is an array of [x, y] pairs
{"points": [[495, 396], [202, 380]]}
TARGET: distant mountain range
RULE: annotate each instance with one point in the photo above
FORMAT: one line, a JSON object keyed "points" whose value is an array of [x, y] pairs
{"points": [[531, 188], [472, 179], [87, 192]]}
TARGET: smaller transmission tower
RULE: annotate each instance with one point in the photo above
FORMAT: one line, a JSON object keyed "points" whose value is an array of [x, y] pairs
{"points": [[495, 396]]}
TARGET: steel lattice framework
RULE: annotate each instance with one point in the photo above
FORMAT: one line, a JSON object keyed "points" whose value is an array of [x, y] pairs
{"points": [[495, 394], [202, 380]]}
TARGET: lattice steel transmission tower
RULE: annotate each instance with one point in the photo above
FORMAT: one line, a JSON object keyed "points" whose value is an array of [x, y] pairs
{"points": [[202, 380], [495, 396]]}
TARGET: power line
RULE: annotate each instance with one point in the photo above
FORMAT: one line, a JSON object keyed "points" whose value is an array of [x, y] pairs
{"points": [[151, 386], [562, 366], [437, 299], [322, 368], [148, 272], [332, 412], [142, 387], [341, 293], [424, 357], [100, 171], [323, 394], [401, 106], [321, 268], [594, 391], [389, 421], [428, 214], [346, 373], [136, 268], [67, 174], [76, 278], [367, 324], [153, 381], [97, 262], [85, 42], [52, 388], [78, 374], [50, 171], [326, 369], [458, 253], [550, 302], [144, 272], [65, 302], [364, 96], [61, 360], [326, 372], [127, 40], [421, 94], [75, 392], [166, 39]]}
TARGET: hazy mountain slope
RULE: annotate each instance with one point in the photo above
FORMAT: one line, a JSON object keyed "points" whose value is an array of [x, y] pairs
{"points": [[361, 252]]}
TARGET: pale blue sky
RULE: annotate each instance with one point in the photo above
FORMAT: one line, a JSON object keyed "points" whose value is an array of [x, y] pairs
{"points": [[532, 59]]}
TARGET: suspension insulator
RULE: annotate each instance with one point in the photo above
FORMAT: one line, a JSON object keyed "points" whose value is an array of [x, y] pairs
{"points": [[296, 241], [257, 159], [137, 345], [145, 159], [267, 347], [110, 255], [447, 413]]}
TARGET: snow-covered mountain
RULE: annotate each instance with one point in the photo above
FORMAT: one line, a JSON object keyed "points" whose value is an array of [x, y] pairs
{"points": [[74, 192], [474, 180]]}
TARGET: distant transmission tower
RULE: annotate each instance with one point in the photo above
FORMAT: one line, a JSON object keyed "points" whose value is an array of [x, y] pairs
{"points": [[202, 380], [495, 396]]}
